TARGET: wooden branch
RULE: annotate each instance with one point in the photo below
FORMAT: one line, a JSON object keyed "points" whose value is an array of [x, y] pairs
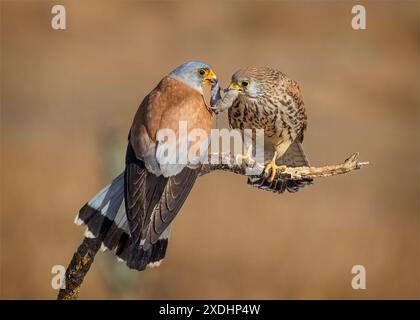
{"points": [[78, 267], [83, 258], [227, 162]]}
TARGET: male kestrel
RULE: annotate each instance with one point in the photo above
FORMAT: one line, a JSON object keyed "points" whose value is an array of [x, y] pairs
{"points": [[264, 98], [134, 212]]}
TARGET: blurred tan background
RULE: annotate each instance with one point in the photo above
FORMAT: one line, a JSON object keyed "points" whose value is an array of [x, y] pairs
{"points": [[68, 98]]}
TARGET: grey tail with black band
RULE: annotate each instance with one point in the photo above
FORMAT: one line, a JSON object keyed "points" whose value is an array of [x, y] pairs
{"points": [[293, 157], [105, 218]]}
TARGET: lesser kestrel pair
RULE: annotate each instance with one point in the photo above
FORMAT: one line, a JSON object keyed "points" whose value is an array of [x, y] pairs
{"points": [[133, 214]]}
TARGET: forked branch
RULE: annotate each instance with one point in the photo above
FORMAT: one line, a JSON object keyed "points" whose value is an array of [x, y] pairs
{"points": [[83, 258], [227, 162]]}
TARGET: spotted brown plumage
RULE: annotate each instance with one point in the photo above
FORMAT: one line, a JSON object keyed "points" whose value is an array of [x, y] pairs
{"points": [[267, 99], [133, 214]]}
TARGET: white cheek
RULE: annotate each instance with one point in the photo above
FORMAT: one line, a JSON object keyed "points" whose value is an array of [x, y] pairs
{"points": [[252, 92]]}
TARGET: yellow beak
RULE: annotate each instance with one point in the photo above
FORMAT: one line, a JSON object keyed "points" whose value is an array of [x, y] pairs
{"points": [[234, 86], [210, 78]]}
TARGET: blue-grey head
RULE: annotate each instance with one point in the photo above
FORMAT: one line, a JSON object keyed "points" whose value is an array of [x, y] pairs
{"points": [[196, 74]]}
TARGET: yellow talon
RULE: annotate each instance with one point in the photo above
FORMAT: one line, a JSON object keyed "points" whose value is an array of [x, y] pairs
{"points": [[273, 167]]}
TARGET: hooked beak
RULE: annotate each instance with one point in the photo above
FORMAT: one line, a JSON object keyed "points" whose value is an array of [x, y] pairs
{"points": [[234, 86], [210, 78]]}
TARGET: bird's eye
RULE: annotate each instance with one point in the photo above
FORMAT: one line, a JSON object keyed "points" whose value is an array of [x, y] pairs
{"points": [[202, 72], [245, 83]]}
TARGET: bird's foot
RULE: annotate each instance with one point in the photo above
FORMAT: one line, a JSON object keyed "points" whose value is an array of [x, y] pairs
{"points": [[273, 167], [239, 158]]}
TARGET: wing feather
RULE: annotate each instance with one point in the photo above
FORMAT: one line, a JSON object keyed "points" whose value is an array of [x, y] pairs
{"points": [[142, 192], [171, 201]]}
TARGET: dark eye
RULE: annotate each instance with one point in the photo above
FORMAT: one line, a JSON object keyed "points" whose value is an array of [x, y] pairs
{"points": [[202, 72], [245, 83]]}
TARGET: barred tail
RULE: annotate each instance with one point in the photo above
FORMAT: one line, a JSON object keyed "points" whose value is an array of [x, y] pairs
{"points": [[105, 218]]}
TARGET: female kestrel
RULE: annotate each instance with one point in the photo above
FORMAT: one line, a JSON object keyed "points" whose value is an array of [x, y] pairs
{"points": [[133, 213], [265, 98]]}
